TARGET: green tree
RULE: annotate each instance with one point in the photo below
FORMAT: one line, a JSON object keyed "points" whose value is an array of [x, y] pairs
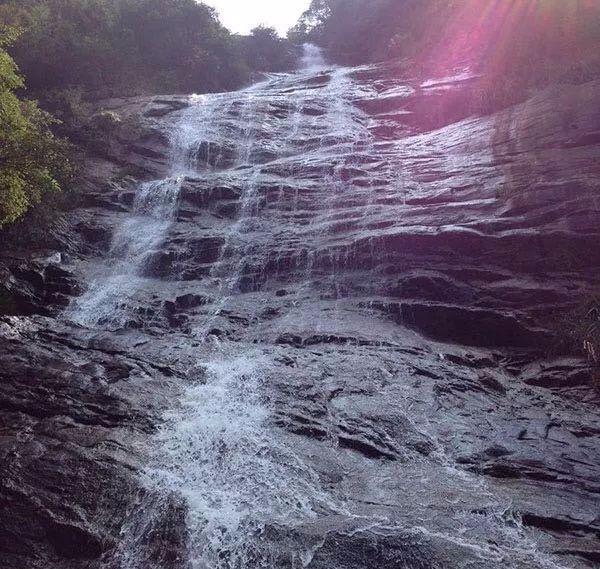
{"points": [[124, 47], [353, 31], [32, 160], [529, 40], [266, 51]]}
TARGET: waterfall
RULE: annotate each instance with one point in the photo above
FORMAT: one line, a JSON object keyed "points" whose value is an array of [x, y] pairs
{"points": [[218, 451], [217, 448], [254, 459], [312, 58], [108, 300]]}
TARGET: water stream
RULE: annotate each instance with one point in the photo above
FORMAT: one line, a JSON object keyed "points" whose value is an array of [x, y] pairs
{"points": [[216, 449], [243, 486]]}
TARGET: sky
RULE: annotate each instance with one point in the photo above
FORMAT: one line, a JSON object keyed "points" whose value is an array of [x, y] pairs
{"points": [[242, 15]]}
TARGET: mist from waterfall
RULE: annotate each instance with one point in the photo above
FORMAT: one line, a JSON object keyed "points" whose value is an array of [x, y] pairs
{"points": [[312, 58]]}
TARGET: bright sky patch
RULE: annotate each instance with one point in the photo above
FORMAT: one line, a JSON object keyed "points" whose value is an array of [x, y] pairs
{"points": [[241, 16]]}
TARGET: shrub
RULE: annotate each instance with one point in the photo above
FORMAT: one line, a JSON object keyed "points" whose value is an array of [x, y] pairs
{"points": [[589, 332], [536, 42], [33, 162], [583, 332], [108, 48]]}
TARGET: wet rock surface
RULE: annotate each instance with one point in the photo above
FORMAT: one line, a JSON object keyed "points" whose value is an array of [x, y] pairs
{"points": [[324, 341]]}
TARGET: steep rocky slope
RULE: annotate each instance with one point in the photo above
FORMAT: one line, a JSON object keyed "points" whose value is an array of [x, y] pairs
{"points": [[314, 329]]}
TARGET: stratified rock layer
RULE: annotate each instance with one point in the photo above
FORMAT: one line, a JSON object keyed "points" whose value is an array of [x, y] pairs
{"points": [[381, 270]]}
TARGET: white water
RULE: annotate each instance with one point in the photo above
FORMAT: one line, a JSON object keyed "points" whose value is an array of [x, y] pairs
{"points": [[108, 300], [217, 449], [312, 58]]}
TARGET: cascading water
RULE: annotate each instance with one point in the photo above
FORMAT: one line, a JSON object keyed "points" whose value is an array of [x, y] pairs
{"points": [[312, 58], [238, 479], [108, 299], [217, 449], [247, 493]]}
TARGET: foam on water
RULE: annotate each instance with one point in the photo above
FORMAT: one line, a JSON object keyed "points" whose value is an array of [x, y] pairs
{"points": [[218, 451], [108, 299], [312, 58]]}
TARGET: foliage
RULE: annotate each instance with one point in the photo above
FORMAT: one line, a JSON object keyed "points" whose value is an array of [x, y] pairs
{"points": [[266, 51], [71, 51], [582, 328], [588, 331], [536, 41], [355, 31], [33, 162], [124, 47]]}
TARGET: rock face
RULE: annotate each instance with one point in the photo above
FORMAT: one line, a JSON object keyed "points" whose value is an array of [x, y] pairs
{"points": [[309, 324]]}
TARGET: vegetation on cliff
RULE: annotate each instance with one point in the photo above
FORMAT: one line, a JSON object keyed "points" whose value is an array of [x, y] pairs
{"points": [[530, 42], [72, 51], [33, 162], [121, 47]]}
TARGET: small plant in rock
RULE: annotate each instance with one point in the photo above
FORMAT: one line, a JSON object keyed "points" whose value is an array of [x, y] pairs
{"points": [[584, 331], [591, 338], [97, 130], [106, 121]]}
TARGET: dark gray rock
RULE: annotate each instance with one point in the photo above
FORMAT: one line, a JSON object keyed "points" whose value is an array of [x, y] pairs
{"points": [[346, 311]]}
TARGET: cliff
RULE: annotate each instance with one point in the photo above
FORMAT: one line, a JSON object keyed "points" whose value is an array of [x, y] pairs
{"points": [[312, 323]]}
